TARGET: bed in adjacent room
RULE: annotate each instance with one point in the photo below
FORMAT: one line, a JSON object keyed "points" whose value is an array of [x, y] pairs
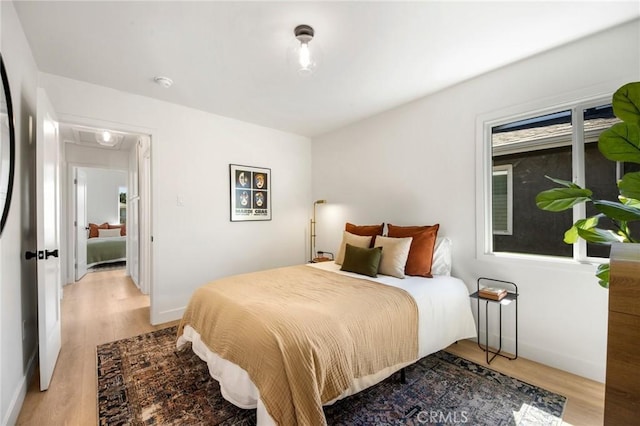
{"points": [[106, 245], [290, 340]]}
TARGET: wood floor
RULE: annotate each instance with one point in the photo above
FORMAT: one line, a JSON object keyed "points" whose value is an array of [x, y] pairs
{"points": [[106, 306], [100, 308], [585, 398]]}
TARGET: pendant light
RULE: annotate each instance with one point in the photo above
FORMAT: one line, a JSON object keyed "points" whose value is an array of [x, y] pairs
{"points": [[305, 56]]}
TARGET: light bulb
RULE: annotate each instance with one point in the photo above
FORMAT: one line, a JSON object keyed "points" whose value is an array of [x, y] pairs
{"points": [[301, 54], [106, 138], [305, 57]]}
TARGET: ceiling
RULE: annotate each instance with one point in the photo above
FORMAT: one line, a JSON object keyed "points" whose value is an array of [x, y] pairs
{"points": [[230, 58], [90, 137]]}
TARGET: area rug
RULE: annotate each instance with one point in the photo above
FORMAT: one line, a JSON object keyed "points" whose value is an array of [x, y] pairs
{"points": [[145, 380]]}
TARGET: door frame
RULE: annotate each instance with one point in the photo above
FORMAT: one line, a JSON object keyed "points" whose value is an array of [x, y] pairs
{"points": [[79, 226], [68, 200]]}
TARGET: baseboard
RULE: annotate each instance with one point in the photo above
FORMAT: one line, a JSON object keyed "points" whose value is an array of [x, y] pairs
{"points": [[167, 316], [21, 392], [561, 361], [577, 366]]}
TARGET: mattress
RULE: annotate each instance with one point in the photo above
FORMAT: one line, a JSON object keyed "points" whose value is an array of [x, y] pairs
{"points": [[444, 316]]}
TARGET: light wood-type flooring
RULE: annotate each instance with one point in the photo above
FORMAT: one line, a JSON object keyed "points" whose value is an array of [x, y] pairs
{"points": [[106, 306], [100, 308]]}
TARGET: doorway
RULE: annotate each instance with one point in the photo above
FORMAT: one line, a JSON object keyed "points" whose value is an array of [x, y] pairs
{"points": [[100, 223], [107, 165]]}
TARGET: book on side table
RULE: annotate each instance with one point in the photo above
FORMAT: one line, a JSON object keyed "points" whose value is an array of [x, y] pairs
{"points": [[492, 293]]}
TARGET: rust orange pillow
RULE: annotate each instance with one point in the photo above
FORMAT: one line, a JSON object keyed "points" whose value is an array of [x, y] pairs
{"points": [[421, 250], [365, 230], [93, 229]]}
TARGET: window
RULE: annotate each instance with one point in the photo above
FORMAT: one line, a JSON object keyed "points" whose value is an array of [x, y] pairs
{"points": [[122, 204], [560, 143], [502, 212]]}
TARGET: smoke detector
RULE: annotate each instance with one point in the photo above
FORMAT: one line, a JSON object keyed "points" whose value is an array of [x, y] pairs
{"points": [[165, 82]]}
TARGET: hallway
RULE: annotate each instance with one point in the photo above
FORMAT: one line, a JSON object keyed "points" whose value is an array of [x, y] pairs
{"points": [[102, 307]]}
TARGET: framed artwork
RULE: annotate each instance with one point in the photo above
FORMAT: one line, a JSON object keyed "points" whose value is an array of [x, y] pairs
{"points": [[250, 193]]}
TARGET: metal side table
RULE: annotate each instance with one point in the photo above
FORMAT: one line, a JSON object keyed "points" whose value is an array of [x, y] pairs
{"points": [[512, 296]]}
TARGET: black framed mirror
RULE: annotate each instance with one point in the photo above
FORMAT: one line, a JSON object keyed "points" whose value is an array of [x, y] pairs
{"points": [[7, 147]]}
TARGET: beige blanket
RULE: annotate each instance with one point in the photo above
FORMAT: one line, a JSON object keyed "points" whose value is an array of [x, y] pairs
{"points": [[303, 334]]}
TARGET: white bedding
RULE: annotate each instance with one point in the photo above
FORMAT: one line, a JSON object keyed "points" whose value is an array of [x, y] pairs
{"points": [[444, 315]]}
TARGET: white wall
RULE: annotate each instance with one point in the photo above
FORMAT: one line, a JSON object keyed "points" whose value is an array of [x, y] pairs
{"points": [[103, 194], [17, 276], [416, 165], [96, 157], [191, 152]]}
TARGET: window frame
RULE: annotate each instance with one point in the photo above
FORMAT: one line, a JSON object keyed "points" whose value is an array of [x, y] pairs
{"points": [[484, 166]]}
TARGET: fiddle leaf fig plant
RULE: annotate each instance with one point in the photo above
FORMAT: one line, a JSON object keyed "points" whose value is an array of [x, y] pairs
{"points": [[621, 142]]}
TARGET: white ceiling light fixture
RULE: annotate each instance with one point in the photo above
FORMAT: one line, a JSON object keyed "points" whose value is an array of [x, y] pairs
{"points": [[165, 82], [306, 58], [106, 138]]}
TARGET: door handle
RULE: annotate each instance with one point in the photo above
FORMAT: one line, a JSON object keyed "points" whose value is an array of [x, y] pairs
{"points": [[33, 254], [52, 253]]}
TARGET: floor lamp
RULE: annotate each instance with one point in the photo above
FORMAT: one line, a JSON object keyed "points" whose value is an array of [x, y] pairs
{"points": [[312, 239]]}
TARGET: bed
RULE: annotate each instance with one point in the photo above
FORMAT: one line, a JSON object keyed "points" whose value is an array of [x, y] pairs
{"points": [[106, 250], [316, 368]]}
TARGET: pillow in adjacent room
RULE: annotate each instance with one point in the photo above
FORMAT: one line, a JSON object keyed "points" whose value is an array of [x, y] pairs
{"points": [[365, 230], [121, 227], [364, 261], [93, 229], [102, 233], [441, 264], [395, 252], [354, 240], [421, 251]]}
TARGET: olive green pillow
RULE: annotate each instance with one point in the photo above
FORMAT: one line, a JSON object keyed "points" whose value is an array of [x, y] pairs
{"points": [[365, 261]]}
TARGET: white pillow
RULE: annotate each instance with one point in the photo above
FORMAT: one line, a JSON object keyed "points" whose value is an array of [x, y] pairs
{"points": [[108, 232], [441, 264], [394, 255], [354, 240]]}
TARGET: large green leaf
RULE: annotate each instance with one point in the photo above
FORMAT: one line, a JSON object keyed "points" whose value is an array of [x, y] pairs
{"points": [[629, 201], [600, 236], [617, 211], [621, 142], [629, 185], [559, 199], [571, 234], [624, 230], [626, 103], [603, 274], [566, 183]]}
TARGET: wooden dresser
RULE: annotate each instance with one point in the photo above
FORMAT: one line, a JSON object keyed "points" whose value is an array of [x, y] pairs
{"points": [[622, 397]]}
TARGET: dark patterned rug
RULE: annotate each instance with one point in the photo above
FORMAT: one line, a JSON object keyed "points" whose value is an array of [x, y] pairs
{"points": [[144, 380]]}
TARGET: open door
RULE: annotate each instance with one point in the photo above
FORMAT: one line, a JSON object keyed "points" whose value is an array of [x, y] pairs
{"points": [[48, 236], [81, 225], [145, 215]]}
